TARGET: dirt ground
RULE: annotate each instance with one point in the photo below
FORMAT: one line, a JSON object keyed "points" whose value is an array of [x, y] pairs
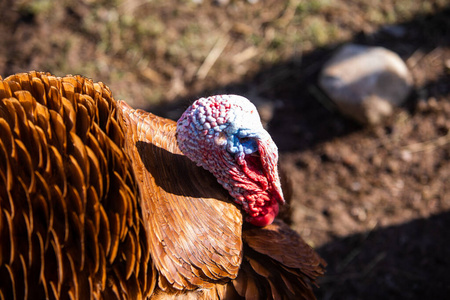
{"points": [[374, 202]]}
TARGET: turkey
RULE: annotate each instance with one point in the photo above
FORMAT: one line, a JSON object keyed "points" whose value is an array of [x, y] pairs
{"points": [[101, 201]]}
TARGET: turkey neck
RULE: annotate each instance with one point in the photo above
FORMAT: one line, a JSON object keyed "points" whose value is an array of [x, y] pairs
{"points": [[192, 224]]}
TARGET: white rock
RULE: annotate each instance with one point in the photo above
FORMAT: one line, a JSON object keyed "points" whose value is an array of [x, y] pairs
{"points": [[366, 82]]}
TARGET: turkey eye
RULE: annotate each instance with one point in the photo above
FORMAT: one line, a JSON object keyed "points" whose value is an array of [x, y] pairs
{"points": [[244, 140], [249, 145]]}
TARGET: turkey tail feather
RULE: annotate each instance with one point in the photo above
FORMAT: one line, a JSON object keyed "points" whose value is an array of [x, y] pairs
{"points": [[68, 197]]}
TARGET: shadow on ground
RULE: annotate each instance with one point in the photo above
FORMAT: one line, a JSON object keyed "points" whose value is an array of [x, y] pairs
{"points": [[410, 260], [407, 261], [302, 115]]}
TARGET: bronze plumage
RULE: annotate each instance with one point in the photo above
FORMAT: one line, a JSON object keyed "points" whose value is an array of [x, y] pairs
{"points": [[98, 202]]}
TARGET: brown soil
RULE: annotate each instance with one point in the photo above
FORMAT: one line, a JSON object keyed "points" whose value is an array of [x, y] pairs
{"points": [[374, 202]]}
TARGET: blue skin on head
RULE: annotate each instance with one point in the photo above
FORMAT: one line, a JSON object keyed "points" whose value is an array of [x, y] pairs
{"points": [[220, 133], [242, 143]]}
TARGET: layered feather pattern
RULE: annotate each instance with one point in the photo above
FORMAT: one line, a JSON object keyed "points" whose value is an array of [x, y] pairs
{"points": [[69, 224], [97, 202], [192, 224]]}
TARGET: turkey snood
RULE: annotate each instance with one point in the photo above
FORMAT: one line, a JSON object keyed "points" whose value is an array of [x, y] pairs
{"points": [[224, 135]]}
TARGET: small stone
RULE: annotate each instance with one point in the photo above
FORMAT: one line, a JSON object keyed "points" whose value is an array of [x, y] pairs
{"points": [[359, 213], [366, 83], [406, 155], [355, 186]]}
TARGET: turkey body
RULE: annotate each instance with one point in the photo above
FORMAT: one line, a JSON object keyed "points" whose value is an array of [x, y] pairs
{"points": [[98, 202]]}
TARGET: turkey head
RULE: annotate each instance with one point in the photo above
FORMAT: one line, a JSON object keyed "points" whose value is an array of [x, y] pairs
{"points": [[224, 135], [97, 201]]}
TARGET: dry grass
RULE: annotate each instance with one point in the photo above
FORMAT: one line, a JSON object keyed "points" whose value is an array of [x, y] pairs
{"points": [[152, 51]]}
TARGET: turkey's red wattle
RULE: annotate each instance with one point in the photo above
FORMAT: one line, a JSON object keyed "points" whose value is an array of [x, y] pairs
{"points": [[254, 169], [216, 133], [263, 191], [266, 218]]}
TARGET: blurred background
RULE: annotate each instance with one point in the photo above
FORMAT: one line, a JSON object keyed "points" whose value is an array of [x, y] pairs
{"points": [[373, 200]]}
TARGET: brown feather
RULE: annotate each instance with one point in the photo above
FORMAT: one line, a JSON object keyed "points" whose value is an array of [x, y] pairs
{"points": [[181, 205], [98, 202], [285, 264], [69, 198]]}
